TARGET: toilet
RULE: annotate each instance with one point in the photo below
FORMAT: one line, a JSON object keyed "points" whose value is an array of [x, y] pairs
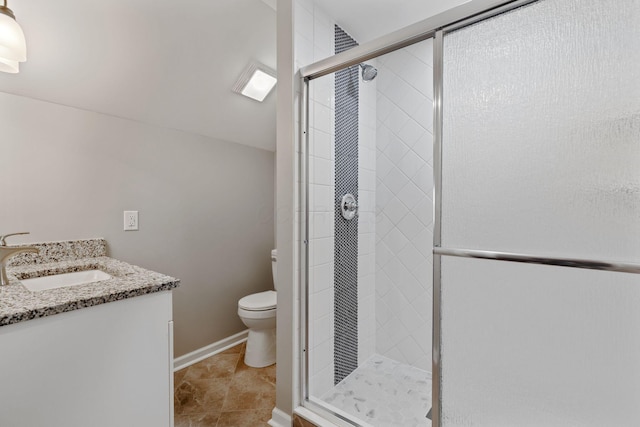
{"points": [[258, 313]]}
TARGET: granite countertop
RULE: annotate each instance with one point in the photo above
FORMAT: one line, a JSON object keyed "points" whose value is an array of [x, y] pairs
{"points": [[18, 304]]}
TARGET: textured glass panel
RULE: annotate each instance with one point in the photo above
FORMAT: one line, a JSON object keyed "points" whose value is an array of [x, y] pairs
{"points": [[531, 345], [541, 142]]}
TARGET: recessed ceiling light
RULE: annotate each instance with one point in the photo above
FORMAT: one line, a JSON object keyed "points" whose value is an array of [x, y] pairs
{"points": [[256, 82]]}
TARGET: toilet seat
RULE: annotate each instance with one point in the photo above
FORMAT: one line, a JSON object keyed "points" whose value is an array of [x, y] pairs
{"points": [[262, 301], [257, 314]]}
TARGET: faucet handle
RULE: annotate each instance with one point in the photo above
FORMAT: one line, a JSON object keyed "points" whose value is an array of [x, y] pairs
{"points": [[2, 241]]}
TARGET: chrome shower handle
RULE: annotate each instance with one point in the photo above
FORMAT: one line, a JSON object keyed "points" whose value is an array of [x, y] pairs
{"points": [[349, 206]]}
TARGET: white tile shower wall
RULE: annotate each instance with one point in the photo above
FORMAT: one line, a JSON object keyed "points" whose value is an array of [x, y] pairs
{"points": [[314, 32], [314, 40], [404, 206], [366, 219]]}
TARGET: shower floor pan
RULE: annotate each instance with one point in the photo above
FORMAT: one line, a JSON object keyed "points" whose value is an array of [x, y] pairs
{"points": [[384, 393]]}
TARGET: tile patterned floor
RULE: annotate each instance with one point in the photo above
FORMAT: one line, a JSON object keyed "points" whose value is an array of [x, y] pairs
{"points": [[385, 393], [222, 391], [298, 421]]}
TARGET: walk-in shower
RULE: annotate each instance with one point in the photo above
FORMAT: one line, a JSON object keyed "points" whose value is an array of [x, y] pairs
{"points": [[470, 229]]}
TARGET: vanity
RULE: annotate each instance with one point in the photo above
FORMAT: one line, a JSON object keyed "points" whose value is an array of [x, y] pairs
{"points": [[97, 352]]}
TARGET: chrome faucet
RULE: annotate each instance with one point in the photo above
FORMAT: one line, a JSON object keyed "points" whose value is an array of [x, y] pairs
{"points": [[7, 252]]}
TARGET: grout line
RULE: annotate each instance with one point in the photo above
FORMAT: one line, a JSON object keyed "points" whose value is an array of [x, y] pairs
{"points": [[235, 370]]}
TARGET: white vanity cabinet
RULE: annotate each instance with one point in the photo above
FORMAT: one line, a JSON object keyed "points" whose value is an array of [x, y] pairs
{"points": [[110, 365]]}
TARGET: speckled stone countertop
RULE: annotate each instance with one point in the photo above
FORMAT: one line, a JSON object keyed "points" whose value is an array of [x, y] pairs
{"points": [[18, 304]]}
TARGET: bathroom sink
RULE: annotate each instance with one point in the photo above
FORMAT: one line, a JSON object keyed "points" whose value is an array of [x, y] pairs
{"points": [[63, 280]]}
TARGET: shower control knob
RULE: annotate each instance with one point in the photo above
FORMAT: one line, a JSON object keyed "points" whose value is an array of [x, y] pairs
{"points": [[349, 206]]}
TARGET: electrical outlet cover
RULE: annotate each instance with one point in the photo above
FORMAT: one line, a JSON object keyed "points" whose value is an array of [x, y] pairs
{"points": [[130, 220]]}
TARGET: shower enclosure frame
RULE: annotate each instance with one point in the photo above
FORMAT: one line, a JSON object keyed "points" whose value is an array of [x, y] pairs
{"points": [[435, 27]]}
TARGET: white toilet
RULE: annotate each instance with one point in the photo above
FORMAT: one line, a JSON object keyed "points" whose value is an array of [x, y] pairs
{"points": [[258, 313]]}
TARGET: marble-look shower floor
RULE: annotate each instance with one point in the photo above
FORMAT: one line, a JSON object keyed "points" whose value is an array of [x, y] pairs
{"points": [[384, 393]]}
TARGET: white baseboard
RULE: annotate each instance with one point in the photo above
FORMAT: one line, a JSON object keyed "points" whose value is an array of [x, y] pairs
{"points": [[208, 351], [279, 418]]}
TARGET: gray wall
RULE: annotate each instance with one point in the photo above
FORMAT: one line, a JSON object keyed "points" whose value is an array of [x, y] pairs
{"points": [[206, 206]]}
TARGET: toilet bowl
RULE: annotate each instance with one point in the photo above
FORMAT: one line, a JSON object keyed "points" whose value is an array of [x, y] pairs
{"points": [[258, 313]]}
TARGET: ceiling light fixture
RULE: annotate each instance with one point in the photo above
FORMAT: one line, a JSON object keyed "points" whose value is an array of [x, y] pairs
{"points": [[256, 82], [13, 48]]}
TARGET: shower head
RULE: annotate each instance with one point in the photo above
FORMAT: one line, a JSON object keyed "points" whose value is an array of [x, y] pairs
{"points": [[369, 72]]}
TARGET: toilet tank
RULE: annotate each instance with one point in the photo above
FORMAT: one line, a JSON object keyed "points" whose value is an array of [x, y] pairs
{"points": [[274, 255]]}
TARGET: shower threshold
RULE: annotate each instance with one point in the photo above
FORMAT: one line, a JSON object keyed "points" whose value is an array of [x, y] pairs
{"points": [[384, 393]]}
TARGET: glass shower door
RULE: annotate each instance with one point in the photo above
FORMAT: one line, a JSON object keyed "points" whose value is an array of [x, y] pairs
{"points": [[540, 164]]}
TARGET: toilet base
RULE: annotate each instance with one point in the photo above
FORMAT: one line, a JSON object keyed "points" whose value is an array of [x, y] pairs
{"points": [[261, 348]]}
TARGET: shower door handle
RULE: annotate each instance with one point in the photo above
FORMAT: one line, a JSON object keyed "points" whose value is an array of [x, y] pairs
{"points": [[348, 206]]}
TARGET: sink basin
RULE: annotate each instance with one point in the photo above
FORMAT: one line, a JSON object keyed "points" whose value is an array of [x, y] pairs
{"points": [[64, 280]]}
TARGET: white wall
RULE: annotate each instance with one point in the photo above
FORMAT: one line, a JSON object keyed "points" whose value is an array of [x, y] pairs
{"points": [[367, 218], [287, 236], [404, 205], [206, 206]]}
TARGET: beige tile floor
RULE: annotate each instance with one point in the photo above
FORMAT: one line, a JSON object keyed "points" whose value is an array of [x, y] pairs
{"points": [[298, 421], [222, 391]]}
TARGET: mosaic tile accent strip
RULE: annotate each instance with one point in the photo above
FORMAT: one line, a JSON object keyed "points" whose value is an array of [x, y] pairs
{"points": [[385, 393], [18, 304], [346, 232]]}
